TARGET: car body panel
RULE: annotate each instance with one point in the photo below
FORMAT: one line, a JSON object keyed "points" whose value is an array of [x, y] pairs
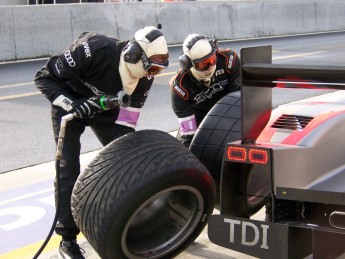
{"points": [[302, 145]]}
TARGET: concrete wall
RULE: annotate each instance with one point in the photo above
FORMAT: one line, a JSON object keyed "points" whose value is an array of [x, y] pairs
{"points": [[13, 2], [39, 31]]}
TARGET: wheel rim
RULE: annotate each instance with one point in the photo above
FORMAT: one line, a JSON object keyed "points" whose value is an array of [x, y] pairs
{"points": [[162, 223]]}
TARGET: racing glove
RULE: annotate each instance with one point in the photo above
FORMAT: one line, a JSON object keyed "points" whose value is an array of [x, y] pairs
{"points": [[186, 140], [85, 107], [64, 102]]}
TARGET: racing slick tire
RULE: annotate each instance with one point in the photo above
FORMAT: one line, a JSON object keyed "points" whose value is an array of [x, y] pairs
{"points": [[222, 125], [144, 195]]}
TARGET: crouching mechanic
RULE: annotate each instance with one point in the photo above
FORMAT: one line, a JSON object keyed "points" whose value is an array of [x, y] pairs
{"points": [[206, 75], [94, 65]]}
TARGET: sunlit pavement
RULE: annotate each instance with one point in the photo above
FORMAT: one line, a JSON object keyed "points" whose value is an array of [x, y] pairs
{"points": [[27, 212]]}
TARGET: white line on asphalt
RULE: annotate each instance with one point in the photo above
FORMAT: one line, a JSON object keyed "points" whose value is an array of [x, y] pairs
{"points": [[300, 55], [19, 95], [26, 196], [16, 85]]}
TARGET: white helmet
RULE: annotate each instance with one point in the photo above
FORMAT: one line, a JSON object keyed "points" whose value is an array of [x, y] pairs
{"points": [[201, 53], [146, 54], [147, 50]]}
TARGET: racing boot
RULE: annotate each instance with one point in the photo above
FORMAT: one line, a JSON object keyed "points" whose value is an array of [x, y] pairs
{"points": [[70, 250]]}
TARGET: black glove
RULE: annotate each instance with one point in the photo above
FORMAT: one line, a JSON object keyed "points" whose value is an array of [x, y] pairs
{"points": [[85, 108], [186, 140]]}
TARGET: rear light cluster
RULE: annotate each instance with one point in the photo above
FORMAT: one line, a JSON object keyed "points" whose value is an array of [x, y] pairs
{"points": [[251, 155]]}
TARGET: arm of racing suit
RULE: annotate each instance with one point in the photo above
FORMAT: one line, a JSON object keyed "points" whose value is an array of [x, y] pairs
{"points": [[129, 116], [58, 77], [234, 71], [185, 113]]}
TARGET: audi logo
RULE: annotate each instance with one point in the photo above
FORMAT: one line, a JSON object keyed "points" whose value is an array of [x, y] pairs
{"points": [[69, 58]]}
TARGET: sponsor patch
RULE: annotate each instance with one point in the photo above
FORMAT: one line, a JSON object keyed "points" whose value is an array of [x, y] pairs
{"points": [[180, 91], [87, 49], [219, 72], [208, 93], [67, 101], [69, 58]]}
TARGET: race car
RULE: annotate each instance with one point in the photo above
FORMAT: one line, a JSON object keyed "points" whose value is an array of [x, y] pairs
{"points": [[145, 195], [300, 149]]}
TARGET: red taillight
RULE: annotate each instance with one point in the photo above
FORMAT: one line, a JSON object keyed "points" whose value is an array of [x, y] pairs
{"points": [[248, 154], [237, 154], [258, 156]]}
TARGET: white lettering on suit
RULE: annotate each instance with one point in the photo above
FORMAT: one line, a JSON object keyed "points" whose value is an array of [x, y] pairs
{"points": [[208, 94], [87, 49]]}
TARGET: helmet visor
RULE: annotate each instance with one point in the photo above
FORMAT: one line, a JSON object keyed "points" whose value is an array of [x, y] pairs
{"points": [[155, 69], [159, 58], [156, 63], [205, 63]]}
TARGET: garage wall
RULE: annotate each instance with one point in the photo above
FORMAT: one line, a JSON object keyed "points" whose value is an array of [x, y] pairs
{"points": [[39, 31], [13, 2]]}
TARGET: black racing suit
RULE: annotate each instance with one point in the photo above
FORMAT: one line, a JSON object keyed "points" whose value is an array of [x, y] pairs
{"points": [[87, 68], [191, 99]]}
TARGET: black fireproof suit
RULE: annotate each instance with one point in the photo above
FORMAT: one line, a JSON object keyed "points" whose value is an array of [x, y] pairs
{"points": [[192, 100], [87, 68]]}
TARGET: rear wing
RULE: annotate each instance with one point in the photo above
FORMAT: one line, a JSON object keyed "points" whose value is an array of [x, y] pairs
{"points": [[259, 76]]}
